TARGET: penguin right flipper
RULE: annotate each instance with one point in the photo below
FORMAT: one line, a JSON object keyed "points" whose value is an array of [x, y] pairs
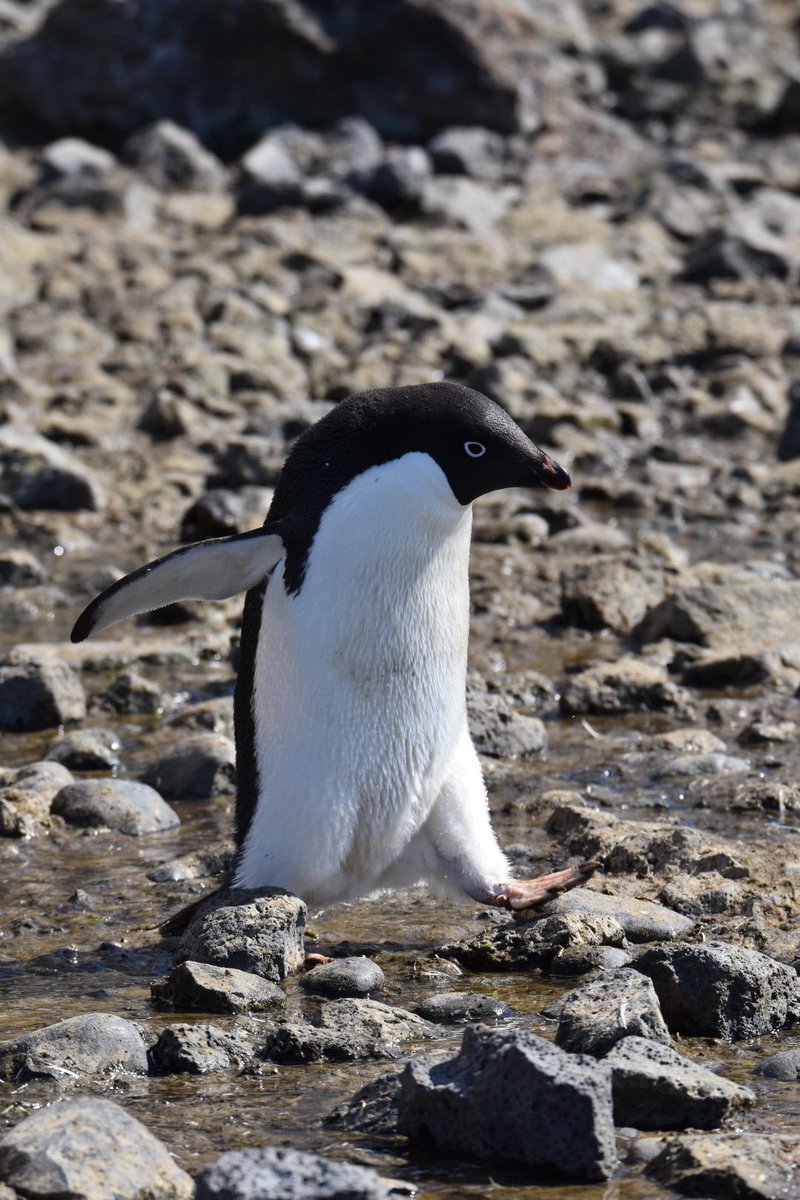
{"points": [[210, 570]]}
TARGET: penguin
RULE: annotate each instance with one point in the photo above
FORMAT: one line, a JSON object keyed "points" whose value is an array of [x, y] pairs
{"points": [[356, 770]]}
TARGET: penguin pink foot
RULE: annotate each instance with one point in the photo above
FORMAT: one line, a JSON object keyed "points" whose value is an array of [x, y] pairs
{"points": [[519, 894]]}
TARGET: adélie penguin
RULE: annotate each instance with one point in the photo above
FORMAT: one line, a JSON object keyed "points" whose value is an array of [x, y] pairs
{"points": [[356, 771]]}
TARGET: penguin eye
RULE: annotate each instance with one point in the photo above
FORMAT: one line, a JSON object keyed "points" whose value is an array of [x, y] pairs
{"points": [[474, 449]]}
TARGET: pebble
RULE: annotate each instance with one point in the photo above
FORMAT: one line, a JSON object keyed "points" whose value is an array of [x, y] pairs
{"points": [[131, 808], [89, 1149], [616, 1005], [280, 1172], [200, 987], [97, 1044], [344, 977], [549, 1109]]}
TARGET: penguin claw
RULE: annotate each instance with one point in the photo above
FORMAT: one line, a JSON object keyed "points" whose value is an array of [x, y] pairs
{"points": [[533, 893]]}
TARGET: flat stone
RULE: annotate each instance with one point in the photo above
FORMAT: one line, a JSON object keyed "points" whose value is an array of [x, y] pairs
{"points": [[654, 1087], [38, 692], [259, 930], [347, 1030], [199, 767], [528, 945], [718, 990], [727, 1166], [89, 1149], [344, 977], [616, 1005], [285, 1174], [131, 808], [96, 1044], [201, 987], [373, 1109], [640, 920], [511, 1097], [198, 1050], [449, 1007], [783, 1065]]}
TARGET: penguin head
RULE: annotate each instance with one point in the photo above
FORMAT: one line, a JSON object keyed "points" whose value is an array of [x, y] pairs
{"points": [[473, 440]]}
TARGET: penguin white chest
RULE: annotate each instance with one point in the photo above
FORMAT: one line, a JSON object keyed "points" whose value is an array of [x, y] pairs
{"points": [[359, 689]]}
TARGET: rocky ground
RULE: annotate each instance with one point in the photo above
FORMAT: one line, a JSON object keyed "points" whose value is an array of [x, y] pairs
{"points": [[211, 231]]}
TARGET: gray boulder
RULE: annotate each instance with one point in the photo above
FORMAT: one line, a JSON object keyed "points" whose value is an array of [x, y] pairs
{"points": [[89, 1149], [38, 474], [96, 1044], [721, 616], [728, 1166], [258, 930], [198, 1050], [448, 1007], [784, 1065], [654, 1087], [373, 1109], [511, 1097], [626, 685], [279, 1173], [347, 1030], [131, 808], [38, 692], [199, 767], [540, 943], [344, 977], [718, 990], [200, 987], [616, 1005]]}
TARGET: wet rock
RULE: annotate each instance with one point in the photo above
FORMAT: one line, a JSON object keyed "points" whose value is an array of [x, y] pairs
{"points": [[498, 730], [654, 1087], [373, 1109], [98, 1044], [344, 977], [89, 1149], [759, 613], [199, 767], [258, 930], [640, 920], [289, 1174], [701, 765], [718, 990], [38, 692], [724, 1165], [131, 808], [86, 750], [618, 1004], [627, 685], [525, 946], [20, 568], [449, 1007], [345, 1031], [171, 157], [556, 1107], [26, 795], [197, 1050], [132, 693], [783, 1065], [37, 474], [201, 987], [214, 862]]}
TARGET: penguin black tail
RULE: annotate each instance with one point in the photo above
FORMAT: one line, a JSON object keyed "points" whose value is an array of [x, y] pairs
{"points": [[178, 923]]}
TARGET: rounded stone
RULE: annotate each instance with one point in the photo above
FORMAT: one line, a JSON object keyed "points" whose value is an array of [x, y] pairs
{"points": [[344, 977], [128, 807], [462, 1006]]}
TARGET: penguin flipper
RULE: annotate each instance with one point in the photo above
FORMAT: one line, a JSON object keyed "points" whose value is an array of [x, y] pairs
{"points": [[210, 570]]}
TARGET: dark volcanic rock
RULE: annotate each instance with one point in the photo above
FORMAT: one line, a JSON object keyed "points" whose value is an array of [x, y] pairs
{"points": [[287, 1174], [200, 987], [258, 930], [727, 1166], [373, 1109], [640, 920], [39, 692], [718, 990], [199, 767], [344, 977], [197, 1050], [346, 1030], [523, 946], [449, 1007], [654, 1087], [89, 1149], [121, 804], [89, 1045], [783, 1065], [616, 1005], [556, 1107], [228, 75]]}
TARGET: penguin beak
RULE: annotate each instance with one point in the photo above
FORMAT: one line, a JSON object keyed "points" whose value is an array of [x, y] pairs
{"points": [[549, 474]]}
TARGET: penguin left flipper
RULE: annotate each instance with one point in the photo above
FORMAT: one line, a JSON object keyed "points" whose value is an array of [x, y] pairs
{"points": [[210, 570]]}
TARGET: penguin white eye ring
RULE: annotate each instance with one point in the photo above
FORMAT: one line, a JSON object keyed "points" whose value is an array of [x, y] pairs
{"points": [[356, 772]]}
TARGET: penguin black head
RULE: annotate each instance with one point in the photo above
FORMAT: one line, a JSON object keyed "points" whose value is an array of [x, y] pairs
{"points": [[476, 443]]}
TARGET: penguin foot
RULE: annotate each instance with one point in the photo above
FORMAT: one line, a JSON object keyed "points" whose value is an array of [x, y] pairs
{"points": [[316, 960], [518, 894]]}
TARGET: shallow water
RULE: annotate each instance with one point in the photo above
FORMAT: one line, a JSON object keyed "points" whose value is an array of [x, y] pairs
{"points": [[57, 960]]}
